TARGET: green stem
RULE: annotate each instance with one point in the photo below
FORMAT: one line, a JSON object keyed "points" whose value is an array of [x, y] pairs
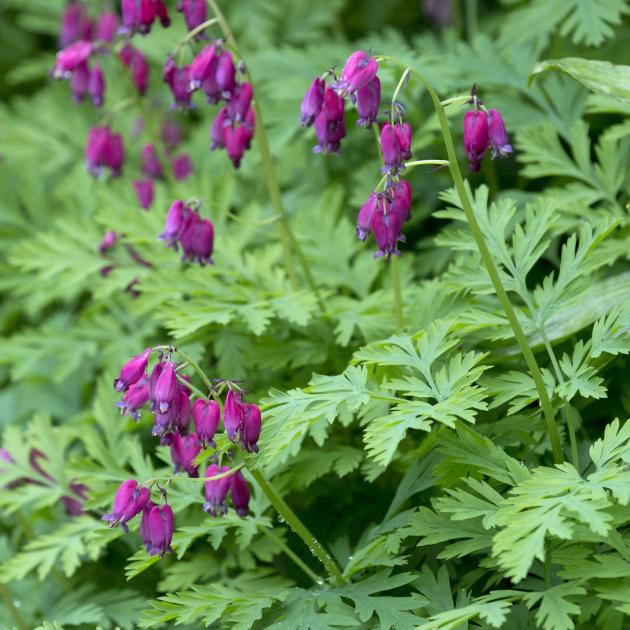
{"points": [[152, 480], [398, 300], [458, 180], [193, 33], [195, 366], [291, 554], [471, 20], [289, 240], [299, 528], [7, 598]]}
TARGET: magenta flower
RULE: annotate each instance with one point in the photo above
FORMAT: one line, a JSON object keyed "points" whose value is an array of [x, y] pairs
{"points": [[145, 533], [312, 102], [233, 415], [197, 240], [250, 431], [106, 27], [206, 415], [182, 167], [164, 393], [70, 58], [96, 85], [368, 102], [175, 223], [236, 141], [476, 139], [226, 75], [401, 203], [183, 410], [365, 217], [359, 70], [386, 227], [238, 105], [138, 15], [203, 66], [240, 493], [138, 65], [329, 124], [195, 13], [132, 371], [216, 490], [104, 149], [144, 192], [391, 149], [178, 80], [109, 240], [150, 162], [183, 450], [218, 129], [497, 135], [171, 134], [75, 24], [73, 505], [129, 501], [159, 530], [403, 135], [135, 398]]}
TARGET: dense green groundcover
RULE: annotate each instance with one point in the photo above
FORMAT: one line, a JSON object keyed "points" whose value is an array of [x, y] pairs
{"points": [[401, 421]]}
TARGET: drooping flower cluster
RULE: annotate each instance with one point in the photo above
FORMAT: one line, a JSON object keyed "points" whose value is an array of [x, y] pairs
{"points": [[484, 129], [135, 63], [72, 63], [324, 105], [138, 16], [166, 389], [184, 227]]}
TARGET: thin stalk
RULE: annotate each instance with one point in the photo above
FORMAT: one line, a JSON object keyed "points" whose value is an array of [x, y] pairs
{"points": [[471, 20], [194, 32], [190, 386], [458, 181], [7, 598], [401, 82], [398, 300], [195, 366], [153, 480], [289, 240], [291, 554], [426, 162], [299, 528]]}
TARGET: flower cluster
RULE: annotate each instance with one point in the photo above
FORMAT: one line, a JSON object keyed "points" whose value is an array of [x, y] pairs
{"points": [[138, 16], [213, 71], [72, 63], [169, 397], [135, 63], [184, 227], [484, 129], [324, 105]]}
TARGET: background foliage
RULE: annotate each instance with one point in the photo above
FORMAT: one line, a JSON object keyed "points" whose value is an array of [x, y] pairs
{"points": [[419, 456]]}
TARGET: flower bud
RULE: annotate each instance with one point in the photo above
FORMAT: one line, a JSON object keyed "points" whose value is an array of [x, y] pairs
{"points": [[217, 131], [165, 391], [150, 162], [132, 371], [159, 530], [401, 203], [195, 13], [403, 135], [497, 135], [329, 124], [475, 137], [251, 428], [109, 240], [240, 493], [358, 71], [144, 192], [368, 102], [129, 501], [171, 134], [137, 63], [216, 490], [178, 80], [206, 415], [183, 450], [182, 417], [312, 102], [182, 167], [96, 85], [236, 140], [75, 24], [233, 412], [145, 534], [73, 505], [365, 217]]}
